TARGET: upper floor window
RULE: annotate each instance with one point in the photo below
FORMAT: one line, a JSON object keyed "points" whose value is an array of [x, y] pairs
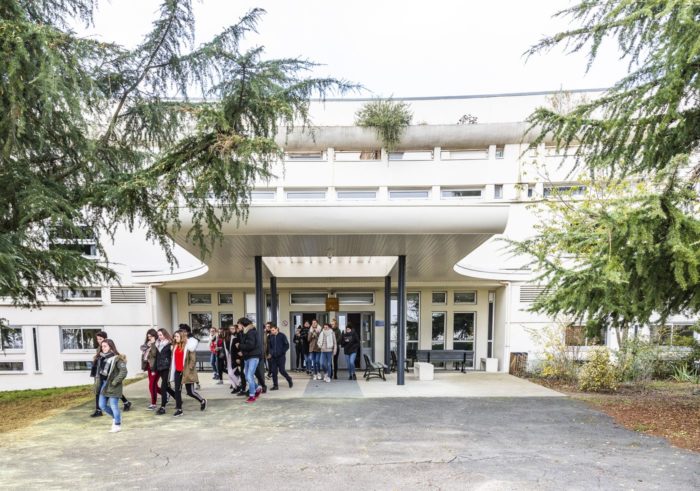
{"points": [[412, 155], [466, 154], [199, 298], [11, 338], [305, 156], [307, 298], [409, 193], [80, 239], [263, 195], [356, 194], [468, 297], [86, 294], [460, 193], [360, 155], [306, 195], [563, 190], [500, 151], [356, 298]]}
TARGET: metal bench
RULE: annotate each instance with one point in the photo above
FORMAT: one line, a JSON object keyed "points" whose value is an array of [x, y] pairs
{"points": [[463, 357], [374, 369]]}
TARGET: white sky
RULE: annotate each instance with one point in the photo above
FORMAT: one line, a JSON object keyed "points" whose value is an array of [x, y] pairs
{"points": [[400, 48]]}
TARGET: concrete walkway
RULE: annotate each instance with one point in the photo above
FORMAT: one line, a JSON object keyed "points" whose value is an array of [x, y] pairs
{"points": [[362, 435]]}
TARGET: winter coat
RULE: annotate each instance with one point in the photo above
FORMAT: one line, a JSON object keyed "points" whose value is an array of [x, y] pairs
{"points": [[313, 341], [304, 333], [326, 341], [350, 341], [164, 357], [278, 344], [250, 345], [338, 335], [148, 358], [115, 378], [189, 371]]}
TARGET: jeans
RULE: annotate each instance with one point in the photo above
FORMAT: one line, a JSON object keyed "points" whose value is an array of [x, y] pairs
{"points": [[110, 405], [214, 363], [251, 365], [277, 364], [298, 357], [308, 361], [189, 388], [350, 362], [316, 362], [326, 365]]}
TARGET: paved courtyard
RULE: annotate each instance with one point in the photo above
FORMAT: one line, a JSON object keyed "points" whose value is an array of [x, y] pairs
{"points": [[365, 435]]}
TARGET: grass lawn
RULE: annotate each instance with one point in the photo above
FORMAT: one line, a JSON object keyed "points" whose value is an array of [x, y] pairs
{"points": [[661, 408], [20, 408]]}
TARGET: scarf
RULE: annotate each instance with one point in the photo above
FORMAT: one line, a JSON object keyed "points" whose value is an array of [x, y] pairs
{"points": [[106, 360]]}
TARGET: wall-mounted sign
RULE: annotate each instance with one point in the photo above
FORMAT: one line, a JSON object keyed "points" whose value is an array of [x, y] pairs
{"points": [[332, 304], [378, 323]]}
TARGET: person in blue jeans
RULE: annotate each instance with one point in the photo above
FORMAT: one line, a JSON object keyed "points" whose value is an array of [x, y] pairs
{"points": [[350, 341], [250, 349], [111, 371], [326, 342]]}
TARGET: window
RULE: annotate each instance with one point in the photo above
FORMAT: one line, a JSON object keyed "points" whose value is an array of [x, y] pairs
{"points": [[409, 193], [11, 366], [225, 298], [307, 298], [576, 336], [500, 151], [305, 156], [465, 297], [438, 333], [439, 298], [467, 154], [354, 156], [77, 366], [673, 335], [464, 325], [360, 298], [356, 194], [498, 191], [79, 338], [200, 322], [11, 338], [262, 195], [412, 323], [199, 298], [306, 195], [80, 239], [85, 294], [460, 193], [225, 320], [563, 190], [530, 190], [413, 155]]}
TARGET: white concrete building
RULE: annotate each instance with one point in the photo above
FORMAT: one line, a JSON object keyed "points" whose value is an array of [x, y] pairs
{"points": [[332, 224]]}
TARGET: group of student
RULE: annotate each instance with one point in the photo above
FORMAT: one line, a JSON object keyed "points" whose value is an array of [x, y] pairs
{"points": [[317, 349], [170, 362]]}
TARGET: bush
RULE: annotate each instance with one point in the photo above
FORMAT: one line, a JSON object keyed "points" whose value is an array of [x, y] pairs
{"points": [[557, 360], [389, 119], [598, 374]]}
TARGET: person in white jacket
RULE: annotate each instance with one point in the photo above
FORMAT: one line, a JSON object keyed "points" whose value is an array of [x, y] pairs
{"points": [[326, 341]]}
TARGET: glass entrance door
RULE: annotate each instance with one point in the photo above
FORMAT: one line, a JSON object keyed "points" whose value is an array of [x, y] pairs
{"points": [[298, 319], [363, 324]]}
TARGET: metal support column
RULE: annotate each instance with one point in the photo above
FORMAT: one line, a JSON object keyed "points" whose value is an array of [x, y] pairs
{"points": [[387, 320], [259, 300], [401, 317], [273, 299]]}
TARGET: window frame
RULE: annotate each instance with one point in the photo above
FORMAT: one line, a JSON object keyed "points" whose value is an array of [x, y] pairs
{"points": [[10, 362], [357, 192], [393, 194], [61, 298], [190, 316], [376, 152], [218, 297], [443, 191], [292, 294], [468, 154], [474, 335], [4, 349], [313, 194], [300, 156], [392, 156], [190, 302], [457, 292], [432, 297], [340, 301], [82, 329], [89, 362], [444, 329]]}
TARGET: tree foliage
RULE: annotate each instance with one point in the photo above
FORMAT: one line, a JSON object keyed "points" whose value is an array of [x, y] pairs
{"points": [[630, 251], [94, 135], [388, 117]]}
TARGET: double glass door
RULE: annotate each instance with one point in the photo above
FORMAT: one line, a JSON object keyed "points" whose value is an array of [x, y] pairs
{"points": [[362, 323]]}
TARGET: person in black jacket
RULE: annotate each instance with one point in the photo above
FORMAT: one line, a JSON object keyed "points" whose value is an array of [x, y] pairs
{"points": [[305, 347], [278, 347], [252, 351], [164, 358], [298, 342], [350, 341]]}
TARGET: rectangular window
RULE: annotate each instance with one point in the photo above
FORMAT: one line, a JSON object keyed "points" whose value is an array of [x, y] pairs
{"points": [[356, 298], [468, 297], [81, 239], [413, 155], [673, 335], [307, 298], [356, 194], [438, 333], [576, 336], [11, 366], [79, 338], [563, 191], [498, 191], [200, 322], [77, 366], [409, 193], [460, 193], [356, 156], [466, 154], [11, 338], [439, 298], [464, 327], [199, 298], [530, 190], [412, 323], [263, 195], [305, 156], [225, 320], [306, 195], [82, 294], [225, 298], [500, 151]]}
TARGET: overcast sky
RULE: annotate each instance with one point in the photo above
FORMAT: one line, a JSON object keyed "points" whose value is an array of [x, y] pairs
{"points": [[401, 48]]}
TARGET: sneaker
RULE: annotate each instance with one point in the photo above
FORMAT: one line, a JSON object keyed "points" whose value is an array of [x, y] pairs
{"points": [[354, 376], [220, 382], [264, 389], [178, 413], [349, 377], [127, 405], [96, 413], [203, 405], [250, 399], [274, 387], [291, 383], [327, 379], [258, 391], [151, 407], [242, 393], [236, 390], [115, 428], [161, 410]]}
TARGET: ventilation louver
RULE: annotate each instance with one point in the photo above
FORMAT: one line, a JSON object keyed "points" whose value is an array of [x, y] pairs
{"points": [[128, 294], [528, 293]]}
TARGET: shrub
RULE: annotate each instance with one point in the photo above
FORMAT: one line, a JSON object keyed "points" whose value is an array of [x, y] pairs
{"points": [[389, 118], [557, 360], [598, 374]]}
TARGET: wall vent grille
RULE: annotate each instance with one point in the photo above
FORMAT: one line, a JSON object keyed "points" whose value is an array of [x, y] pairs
{"points": [[128, 294]]}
